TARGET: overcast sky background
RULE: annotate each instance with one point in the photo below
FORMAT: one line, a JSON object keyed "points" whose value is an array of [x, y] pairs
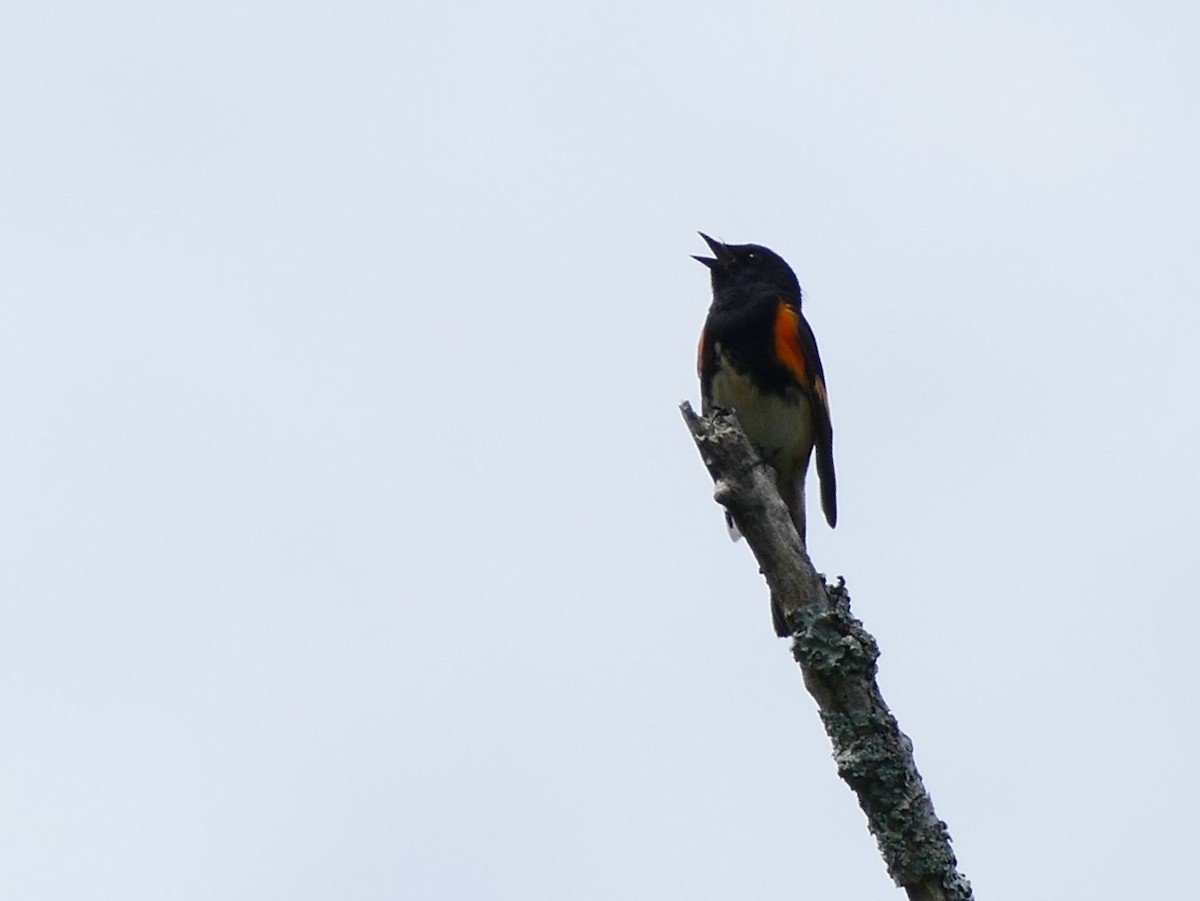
{"points": [[352, 545]]}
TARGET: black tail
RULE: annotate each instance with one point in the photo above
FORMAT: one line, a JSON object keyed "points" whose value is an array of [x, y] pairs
{"points": [[781, 626], [828, 482]]}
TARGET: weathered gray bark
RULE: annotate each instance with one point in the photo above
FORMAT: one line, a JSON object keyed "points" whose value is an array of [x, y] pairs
{"points": [[837, 659]]}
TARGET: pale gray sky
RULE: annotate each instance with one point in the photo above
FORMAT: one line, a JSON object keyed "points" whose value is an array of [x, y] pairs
{"points": [[352, 546]]}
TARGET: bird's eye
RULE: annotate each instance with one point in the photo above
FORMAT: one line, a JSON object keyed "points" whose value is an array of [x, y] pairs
{"points": [[751, 257]]}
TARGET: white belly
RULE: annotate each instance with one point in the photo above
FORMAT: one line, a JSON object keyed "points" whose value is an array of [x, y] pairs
{"points": [[780, 427]]}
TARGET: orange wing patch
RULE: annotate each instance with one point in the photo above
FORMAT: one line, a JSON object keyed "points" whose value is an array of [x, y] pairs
{"points": [[788, 349], [819, 391]]}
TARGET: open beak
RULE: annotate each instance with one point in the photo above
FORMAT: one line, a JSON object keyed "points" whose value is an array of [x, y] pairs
{"points": [[721, 255]]}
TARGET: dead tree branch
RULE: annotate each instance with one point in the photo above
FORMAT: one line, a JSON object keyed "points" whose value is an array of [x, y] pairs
{"points": [[837, 658]]}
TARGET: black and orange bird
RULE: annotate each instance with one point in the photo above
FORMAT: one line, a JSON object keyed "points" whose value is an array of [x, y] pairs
{"points": [[759, 357]]}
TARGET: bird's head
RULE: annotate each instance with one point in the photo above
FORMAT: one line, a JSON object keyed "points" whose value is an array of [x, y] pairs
{"points": [[737, 265]]}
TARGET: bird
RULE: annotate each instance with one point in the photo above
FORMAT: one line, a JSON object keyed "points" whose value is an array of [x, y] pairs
{"points": [[758, 356]]}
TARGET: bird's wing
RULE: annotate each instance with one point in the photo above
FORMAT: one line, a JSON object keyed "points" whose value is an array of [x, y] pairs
{"points": [[796, 348], [706, 366]]}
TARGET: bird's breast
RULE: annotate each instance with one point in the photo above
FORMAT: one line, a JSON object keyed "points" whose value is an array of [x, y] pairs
{"points": [[779, 424]]}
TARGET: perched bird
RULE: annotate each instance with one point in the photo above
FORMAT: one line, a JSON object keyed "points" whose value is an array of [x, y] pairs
{"points": [[758, 356]]}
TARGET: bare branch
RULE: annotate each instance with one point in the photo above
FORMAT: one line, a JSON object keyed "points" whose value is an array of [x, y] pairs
{"points": [[837, 658]]}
